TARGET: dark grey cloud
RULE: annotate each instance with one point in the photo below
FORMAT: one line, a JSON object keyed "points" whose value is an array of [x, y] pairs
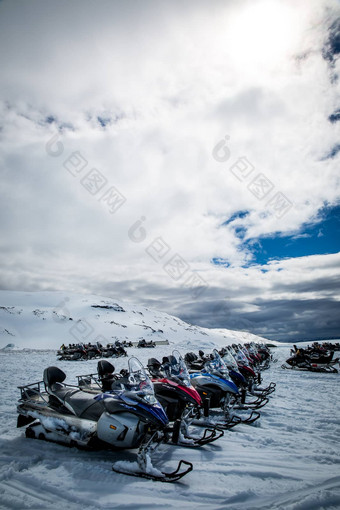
{"points": [[295, 318], [282, 320]]}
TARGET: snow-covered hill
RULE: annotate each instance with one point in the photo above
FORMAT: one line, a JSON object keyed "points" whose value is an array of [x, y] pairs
{"points": [[45, 320]]}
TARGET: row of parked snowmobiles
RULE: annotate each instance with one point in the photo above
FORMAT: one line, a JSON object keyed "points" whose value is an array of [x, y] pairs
{"points": [[312, 359], [331, 346], [142, 408], [81, 352]]}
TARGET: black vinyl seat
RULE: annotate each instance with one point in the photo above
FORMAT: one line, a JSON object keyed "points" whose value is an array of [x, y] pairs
{"points": [[53, 375], [79, 402], [105, 372], [154, 367]]}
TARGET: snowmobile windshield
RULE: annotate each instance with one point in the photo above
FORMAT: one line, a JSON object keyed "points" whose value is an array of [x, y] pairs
{"points": [[179, 369], [252, 349], [242, 358], [216, 365], [229, 360], [139, 382], [232, 351], [175, 368]]}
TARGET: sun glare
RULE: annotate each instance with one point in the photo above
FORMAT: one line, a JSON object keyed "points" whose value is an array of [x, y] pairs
{"points": [[263, 32]]}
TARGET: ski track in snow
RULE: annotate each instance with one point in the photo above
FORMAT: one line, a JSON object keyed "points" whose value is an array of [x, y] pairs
{"points": [[288, 460]]}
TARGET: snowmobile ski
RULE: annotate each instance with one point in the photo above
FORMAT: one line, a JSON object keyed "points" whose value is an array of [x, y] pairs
{"points": [[252, 418], [188, 441], [157, 476], [265, 391], [219, 423], [254, 404]]}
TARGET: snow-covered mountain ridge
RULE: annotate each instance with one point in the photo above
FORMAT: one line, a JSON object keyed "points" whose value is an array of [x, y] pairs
{"points": [[45, 320]]}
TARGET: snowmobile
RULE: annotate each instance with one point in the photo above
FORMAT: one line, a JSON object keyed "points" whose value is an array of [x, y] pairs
{"points": [[196, 363], [331, 347], [234, 373], [214, 384], [178, 398], [181, 401], [306, 362], [253, 377], [133, 418], [93, 351], [126, 343], [144, 343], [265, 355], [72, 353], [113, 350]]}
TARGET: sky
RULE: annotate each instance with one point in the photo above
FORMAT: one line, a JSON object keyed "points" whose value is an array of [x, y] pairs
{"points": [[180, 155]]}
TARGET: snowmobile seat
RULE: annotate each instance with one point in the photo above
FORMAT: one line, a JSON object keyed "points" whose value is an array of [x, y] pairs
{"points": [[105, 368], [190, 357], [83, 405], [53, 377], [79, 402], [105, 372], [154, 367]]}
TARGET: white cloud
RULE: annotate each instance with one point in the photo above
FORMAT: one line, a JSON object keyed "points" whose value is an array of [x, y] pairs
{"points": [[171, 80]]}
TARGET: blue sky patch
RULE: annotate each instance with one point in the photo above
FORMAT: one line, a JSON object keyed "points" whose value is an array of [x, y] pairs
{"points": [[237, 215], [219, 261], [318, 238]]}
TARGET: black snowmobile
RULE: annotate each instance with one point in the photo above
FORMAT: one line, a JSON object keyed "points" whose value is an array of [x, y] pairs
{"points": [[143, 343], [181, 401], [132, 418], [72, 353], [115, 350], [311, 362]]}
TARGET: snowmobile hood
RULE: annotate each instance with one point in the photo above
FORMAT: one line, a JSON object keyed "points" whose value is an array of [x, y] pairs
{"points": [[247, 369], [189, 391], [228, 385], [152, 411], [237, 377]]}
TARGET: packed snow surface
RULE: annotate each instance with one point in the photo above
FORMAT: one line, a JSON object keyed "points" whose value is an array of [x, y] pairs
{"points": [[288, 460]]}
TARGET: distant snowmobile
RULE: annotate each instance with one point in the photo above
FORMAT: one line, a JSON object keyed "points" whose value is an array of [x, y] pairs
{"points": [[311, 361], [144, 343], [132, 418]]}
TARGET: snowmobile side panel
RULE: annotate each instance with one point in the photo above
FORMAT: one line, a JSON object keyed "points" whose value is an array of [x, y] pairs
{"points": [[120, 430]]}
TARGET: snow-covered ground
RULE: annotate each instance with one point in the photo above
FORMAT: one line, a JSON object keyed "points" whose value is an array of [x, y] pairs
{"points": [[289, 460]]}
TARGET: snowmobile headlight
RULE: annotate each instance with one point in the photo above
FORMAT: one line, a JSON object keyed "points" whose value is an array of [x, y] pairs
{"points": [[149, 398]]}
